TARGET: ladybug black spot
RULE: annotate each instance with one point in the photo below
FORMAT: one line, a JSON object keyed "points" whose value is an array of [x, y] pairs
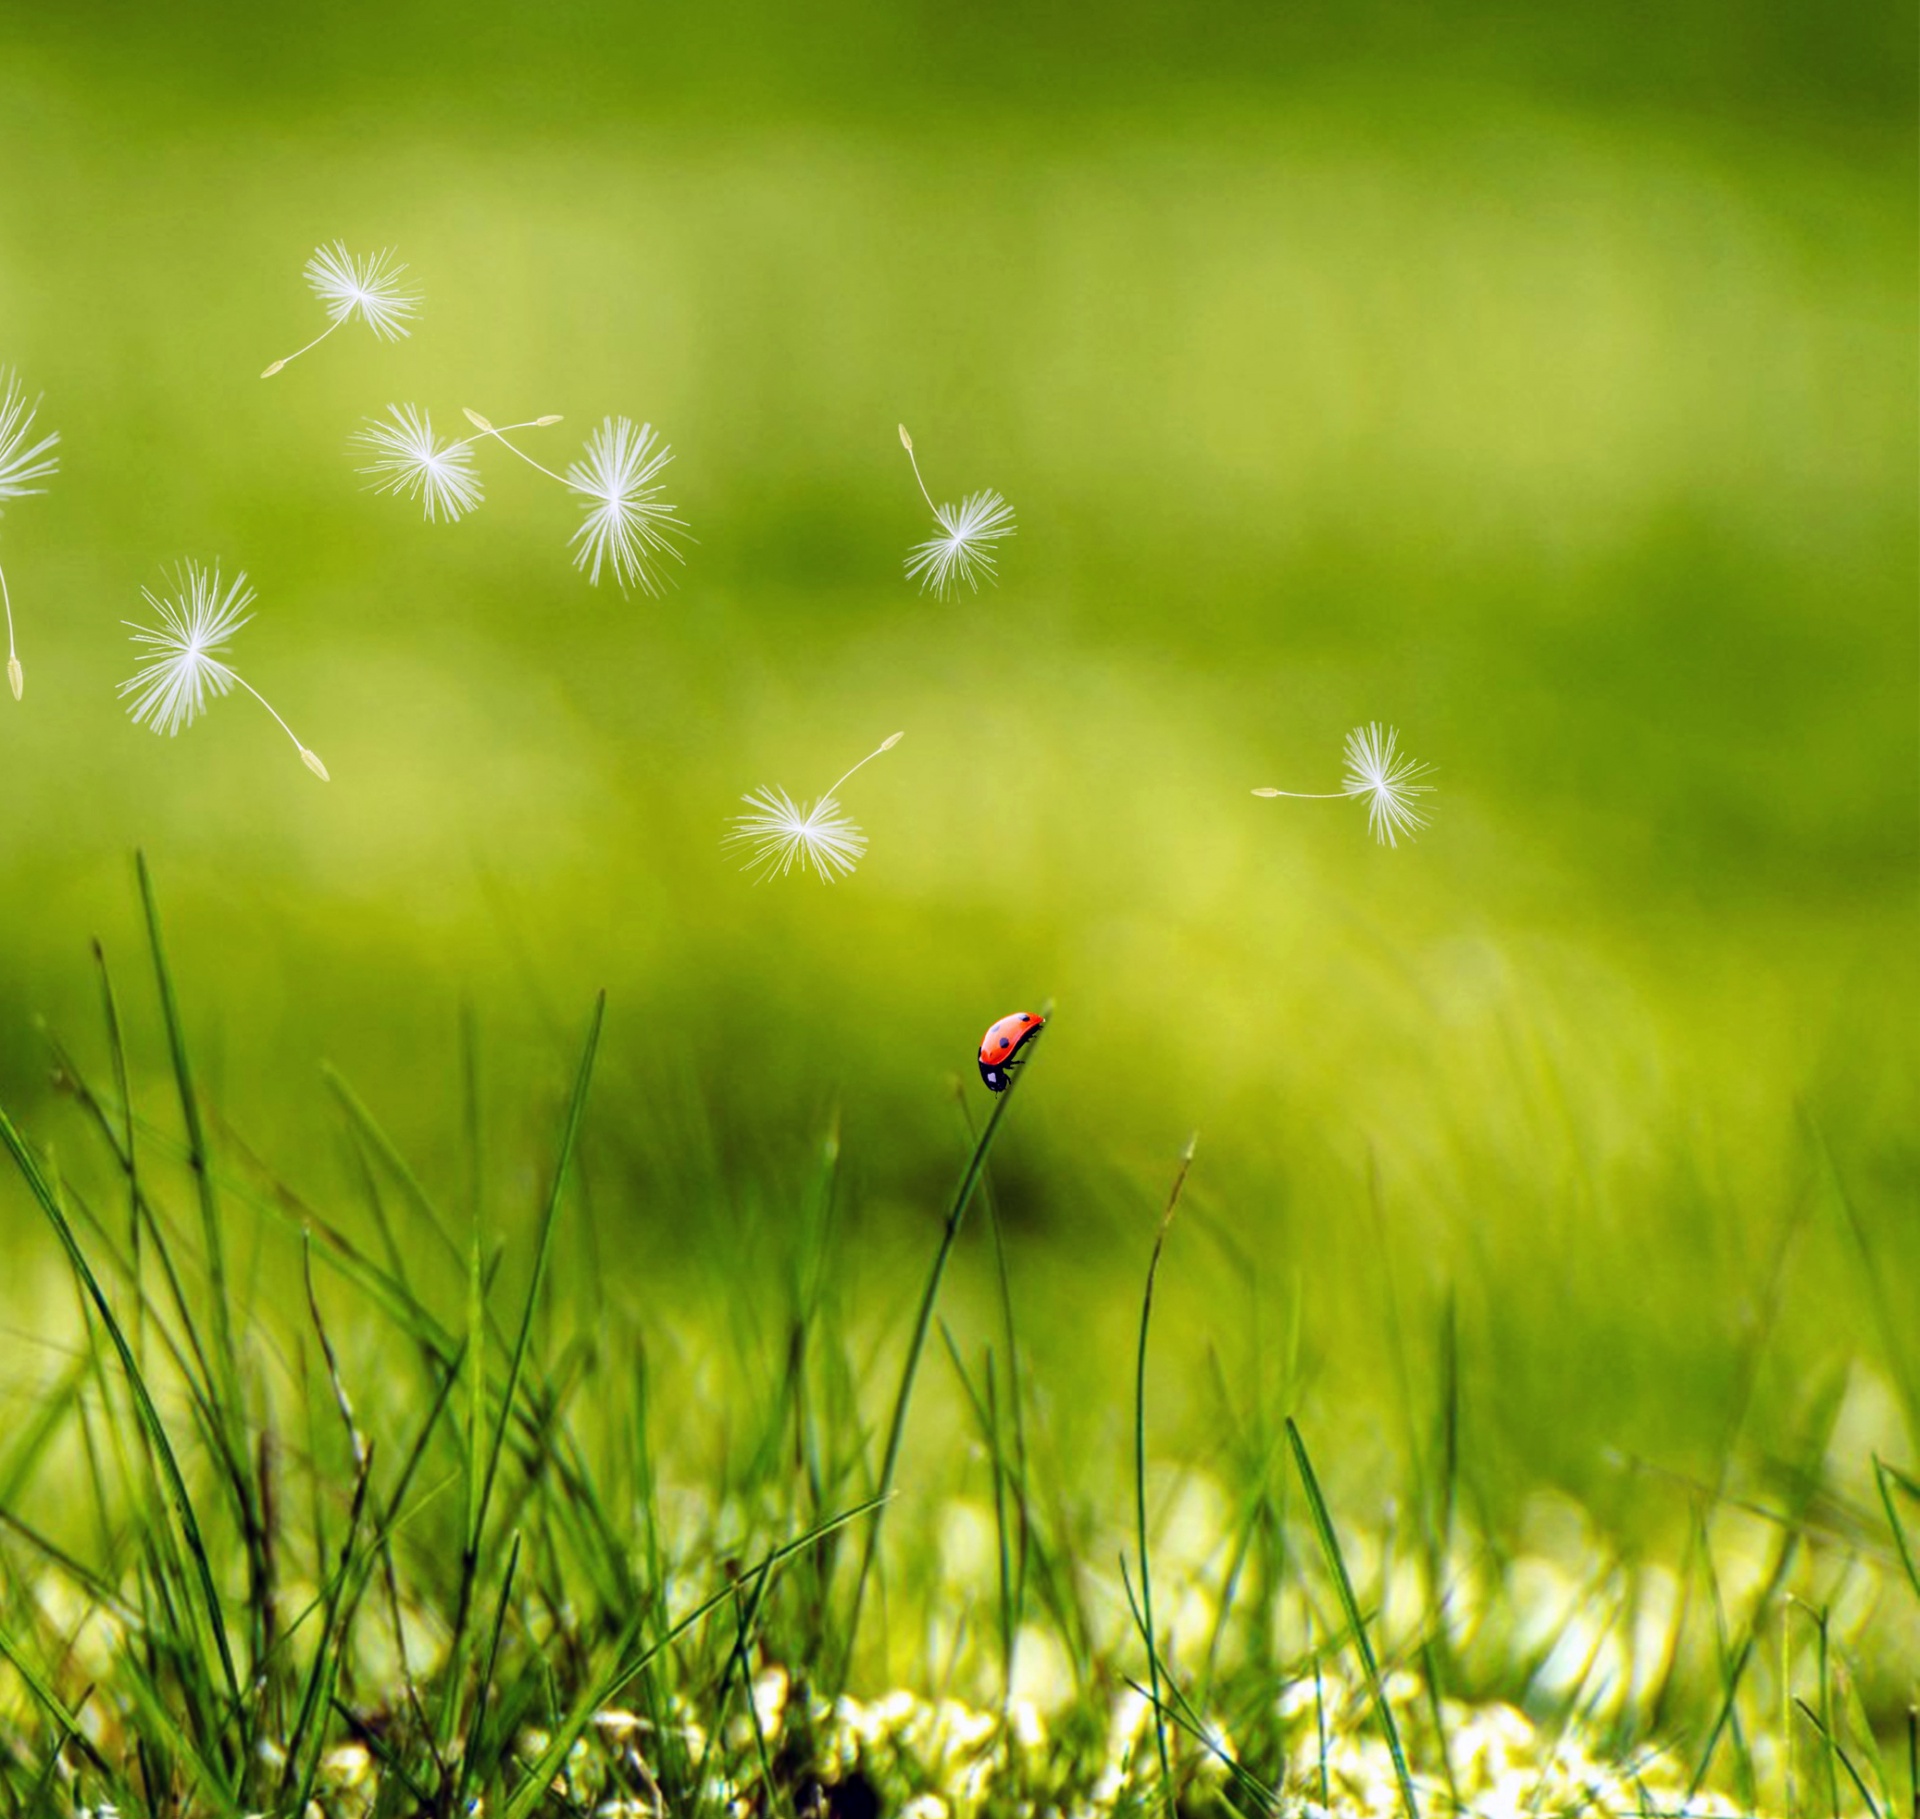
{"points": [[1026, 1016]]}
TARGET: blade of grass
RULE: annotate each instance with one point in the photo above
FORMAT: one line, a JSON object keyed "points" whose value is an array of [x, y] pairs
{"points": [[37, 1685], [317, 1696], [149, 1416], [486, 1474], [1887, 1478], [922, 1324], [1913, 1757], [228, 1400], [1140, 1472], [1735, 1667], [1350, 1605], [225, 1359], [1893, 1328], [543, 1250], [472, 1745], [1265, 1798], [1016, 1397], [1839, 1749]]}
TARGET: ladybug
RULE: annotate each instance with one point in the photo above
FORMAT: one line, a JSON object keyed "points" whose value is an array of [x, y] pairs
{"points": [[1001, 1048]]}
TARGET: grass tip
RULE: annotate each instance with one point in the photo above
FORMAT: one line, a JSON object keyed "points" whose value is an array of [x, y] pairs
{"points": [[269, 371], [312, 761], [16, 677], [886, 745], [547, 421], [906, 441], [474, 417], [1266, 792]]}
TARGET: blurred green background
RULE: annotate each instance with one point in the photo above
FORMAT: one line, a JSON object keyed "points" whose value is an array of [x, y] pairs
{"points": [[1541, 381]]}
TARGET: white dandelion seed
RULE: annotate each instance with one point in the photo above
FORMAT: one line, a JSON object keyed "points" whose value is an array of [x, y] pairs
{"points": [[963, 551], [781, 834], [181, 667], [628, 525], [407, 458], [22, 462], [1385, 776], [1382, 775], [348, 286]]}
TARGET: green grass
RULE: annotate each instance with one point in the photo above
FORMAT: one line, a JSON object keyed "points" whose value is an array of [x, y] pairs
{"points": [[319, 1504]]}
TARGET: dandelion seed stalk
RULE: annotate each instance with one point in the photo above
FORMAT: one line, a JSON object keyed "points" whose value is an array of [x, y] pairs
{"points": [[500, 435], [16, 676], [267, 372], [906, 442], [886, 745]]}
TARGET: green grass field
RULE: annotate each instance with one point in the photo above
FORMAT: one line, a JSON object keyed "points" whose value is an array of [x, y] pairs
{"points": [[397, 1505], [425, 1388]]}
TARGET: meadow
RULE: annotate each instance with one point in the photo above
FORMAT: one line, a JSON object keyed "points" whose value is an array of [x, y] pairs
{"points": [[502, 1306]]}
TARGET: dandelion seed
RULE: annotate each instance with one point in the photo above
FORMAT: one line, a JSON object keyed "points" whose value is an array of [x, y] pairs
{"points": [[1384, 777], [627, 525], [781, 834], [369, 288], [182, 667], [963, 551], [408, 459], [22, 462]]}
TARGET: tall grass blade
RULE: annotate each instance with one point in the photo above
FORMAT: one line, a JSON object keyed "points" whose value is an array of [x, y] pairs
{"points": [[1888, 1478], [1140, 1473], [1839, 1750], [916, 1344], [483, 1473], [149, 1416], [543, 1251], [1350, 1605], [475, 1728], [199, 1162], [1894, 1329]]}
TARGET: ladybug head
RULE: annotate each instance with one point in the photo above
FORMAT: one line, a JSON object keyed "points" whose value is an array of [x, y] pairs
{"points": [[995, 1075]]}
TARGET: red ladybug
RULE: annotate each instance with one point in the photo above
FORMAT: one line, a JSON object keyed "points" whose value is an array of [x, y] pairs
{"points": [[1001, 1048]]}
